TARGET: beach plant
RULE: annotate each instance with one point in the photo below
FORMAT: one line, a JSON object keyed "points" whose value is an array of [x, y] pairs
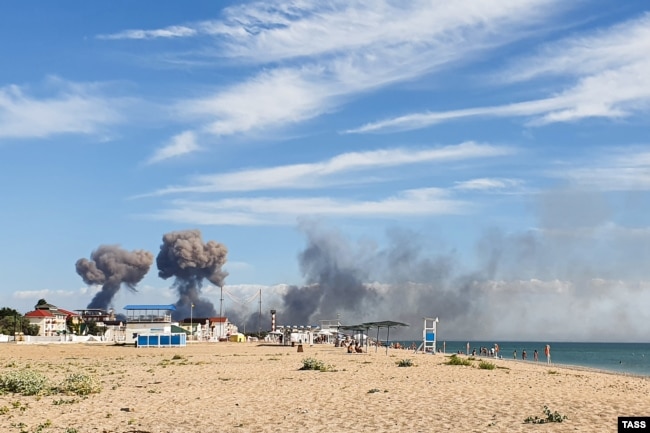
{"points": [[79, 384], [457, 360], [315, 364], [43, 426], [405, 363], [25, 382], [486, 365], [549, 417], [63, 401]]}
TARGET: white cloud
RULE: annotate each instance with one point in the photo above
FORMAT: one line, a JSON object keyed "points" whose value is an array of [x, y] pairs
{"points": [[612, 73], [625, 169], [273, 98], [44, 294], [583, 55], [167, 32], [330, 171], [70, 108], [483, 184], [340, 50], [271, 31], [285, 210], [180, 144]]}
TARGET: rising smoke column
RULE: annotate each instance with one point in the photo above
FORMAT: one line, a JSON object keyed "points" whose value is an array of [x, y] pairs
{"points": [[361, 283], [183, 255], [333, 284], [112, 267]]}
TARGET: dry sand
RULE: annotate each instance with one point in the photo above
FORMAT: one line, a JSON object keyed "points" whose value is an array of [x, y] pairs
{"points": [[245, 387]]}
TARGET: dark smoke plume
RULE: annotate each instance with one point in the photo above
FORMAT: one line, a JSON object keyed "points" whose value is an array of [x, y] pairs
{"points": [[519, 284], [112, 267], [183, 255], [334, 285]]}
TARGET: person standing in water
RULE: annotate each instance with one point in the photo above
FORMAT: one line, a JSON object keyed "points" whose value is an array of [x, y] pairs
{"points": [[547, 352]]}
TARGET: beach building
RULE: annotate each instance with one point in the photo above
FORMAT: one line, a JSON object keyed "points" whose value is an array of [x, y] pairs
{"points": [[51, 320], [99, 317], [96, 315], [208, 328], [296, 334], [145, 319]]}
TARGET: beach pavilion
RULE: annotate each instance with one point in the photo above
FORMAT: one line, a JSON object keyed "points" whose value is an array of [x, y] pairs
{"points": [[367, 326]]}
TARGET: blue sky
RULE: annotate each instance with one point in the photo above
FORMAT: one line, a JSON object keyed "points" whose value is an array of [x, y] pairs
{"points": [[492, 155]]}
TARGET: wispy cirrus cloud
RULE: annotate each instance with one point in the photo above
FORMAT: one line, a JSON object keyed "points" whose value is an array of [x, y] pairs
{"points": [[272, 31], [488, 184], [611, 70], [317, 56], [167, 32], [391, 43], [181, 144], [285, 210], [624, 169], [332, 171], [62, 108]]}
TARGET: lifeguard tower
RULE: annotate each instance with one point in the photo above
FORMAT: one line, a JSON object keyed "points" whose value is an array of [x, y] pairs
{"points": [[429, 332]]}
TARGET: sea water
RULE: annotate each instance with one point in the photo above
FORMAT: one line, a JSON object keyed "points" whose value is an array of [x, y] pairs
{"points": [[630, 358]]}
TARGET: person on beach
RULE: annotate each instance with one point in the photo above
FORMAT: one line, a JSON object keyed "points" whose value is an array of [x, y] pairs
{"points": [[523, 355], [514, 354], [547, 352], [535, 355]]}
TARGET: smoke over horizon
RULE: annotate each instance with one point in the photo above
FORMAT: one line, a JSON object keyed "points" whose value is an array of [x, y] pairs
{"points": [[112, 267], [575, 277], [184, 256]]}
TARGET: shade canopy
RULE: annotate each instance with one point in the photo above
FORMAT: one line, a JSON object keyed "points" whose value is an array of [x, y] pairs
{"points": [[366, 326]]}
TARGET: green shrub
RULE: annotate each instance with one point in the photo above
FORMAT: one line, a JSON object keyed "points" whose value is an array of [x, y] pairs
{"points": [[405, 363], [25, 382], [314, 364], [486, 365], [550, 417], [456, 360], [79, 384]]}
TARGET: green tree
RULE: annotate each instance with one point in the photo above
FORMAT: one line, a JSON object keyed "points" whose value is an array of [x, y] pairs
{"points": [[12, 321], [93, 329]]}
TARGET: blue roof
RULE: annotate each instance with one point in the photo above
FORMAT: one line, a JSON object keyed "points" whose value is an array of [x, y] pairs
{"points": [[151, 307]]}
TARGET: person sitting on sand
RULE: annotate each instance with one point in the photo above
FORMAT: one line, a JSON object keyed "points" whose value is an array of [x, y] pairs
{"points": [[350, 348], [358, 348]]}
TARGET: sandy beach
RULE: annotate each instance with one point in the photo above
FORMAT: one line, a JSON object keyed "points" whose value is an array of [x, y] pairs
{"points": [[246, 387]]}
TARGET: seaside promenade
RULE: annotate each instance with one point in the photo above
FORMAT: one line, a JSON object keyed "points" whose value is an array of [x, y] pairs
{"points": [[245, 387]]}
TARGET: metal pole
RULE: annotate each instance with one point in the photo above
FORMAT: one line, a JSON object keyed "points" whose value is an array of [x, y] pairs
{"points": [[259, 318], [387, 335], [191, 322], [221, 303]]}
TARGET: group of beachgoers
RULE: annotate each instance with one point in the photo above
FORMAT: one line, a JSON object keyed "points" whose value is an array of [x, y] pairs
{"points": [[524, 354], [494, 353]]}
